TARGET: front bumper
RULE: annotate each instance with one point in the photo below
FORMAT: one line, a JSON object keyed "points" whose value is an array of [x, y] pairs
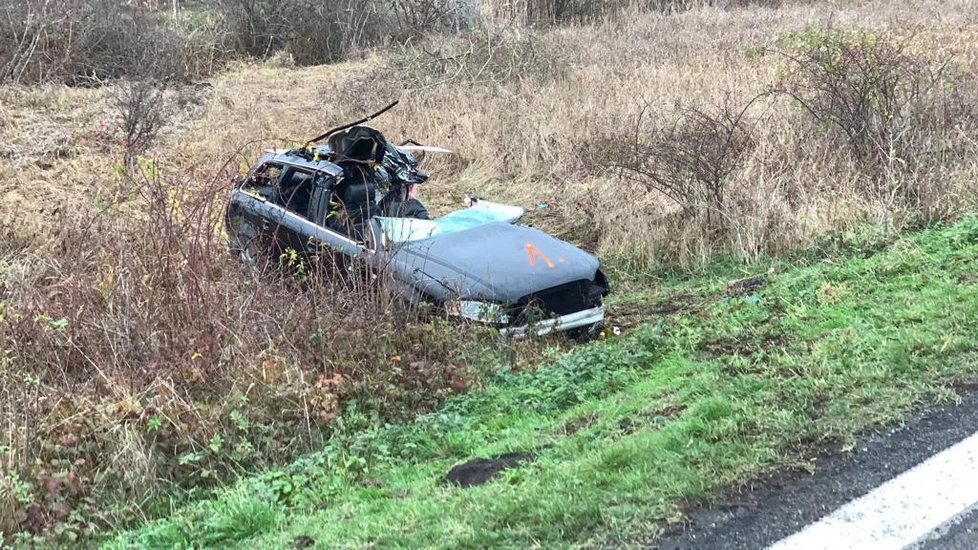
{"points": [[570, 321]]}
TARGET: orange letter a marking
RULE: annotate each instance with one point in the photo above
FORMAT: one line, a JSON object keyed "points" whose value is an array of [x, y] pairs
{"points": [[532, 251]]}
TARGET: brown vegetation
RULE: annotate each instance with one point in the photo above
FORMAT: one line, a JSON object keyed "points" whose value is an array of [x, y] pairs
{"points": [[139, 358], [136, 357]]}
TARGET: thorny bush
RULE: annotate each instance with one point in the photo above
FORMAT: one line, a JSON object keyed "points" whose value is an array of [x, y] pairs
{"points": [[143, 110], [482, 58], [139, 361], [900, 113], [85, 42], [688, 156]]}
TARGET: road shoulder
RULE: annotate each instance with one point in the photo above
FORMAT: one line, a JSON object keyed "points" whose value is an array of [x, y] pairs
{"points": [[772, 508]]}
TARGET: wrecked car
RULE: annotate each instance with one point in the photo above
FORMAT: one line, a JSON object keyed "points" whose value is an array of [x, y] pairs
{"points": [[342, 194]]}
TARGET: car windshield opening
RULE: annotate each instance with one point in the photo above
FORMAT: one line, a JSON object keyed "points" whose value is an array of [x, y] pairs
{"points": [[401, 230]]}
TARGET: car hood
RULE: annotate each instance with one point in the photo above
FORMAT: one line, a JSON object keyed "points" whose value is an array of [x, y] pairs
{"points": [[497, 262]]}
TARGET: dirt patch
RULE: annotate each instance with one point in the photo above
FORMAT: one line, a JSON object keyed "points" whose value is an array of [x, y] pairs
{"points": [[666, 411], [744, 287], [673, 304], [685, 302], [964, 386], [571, 427], [748, 344], [723, 346], [480, 470]]}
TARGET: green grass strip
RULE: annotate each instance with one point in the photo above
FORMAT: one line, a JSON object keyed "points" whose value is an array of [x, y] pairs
{"points": [[632, 431]]}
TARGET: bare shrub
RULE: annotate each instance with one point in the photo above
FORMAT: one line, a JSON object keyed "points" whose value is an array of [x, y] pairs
{"points": [[482, 58], [143, 359], [142, 112], [898, 112], [688, 158], [312, 32], [416, 17], [317, 31]]}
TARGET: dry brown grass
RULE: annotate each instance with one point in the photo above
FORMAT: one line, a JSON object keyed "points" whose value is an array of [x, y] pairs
{"points": [[106, 326], [523, 135], [138, 359]]}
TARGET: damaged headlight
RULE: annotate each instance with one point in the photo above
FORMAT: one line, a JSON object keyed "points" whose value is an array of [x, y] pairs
{"points": [[483, 312]]}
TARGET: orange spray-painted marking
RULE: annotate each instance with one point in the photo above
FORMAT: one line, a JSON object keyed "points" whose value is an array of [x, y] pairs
{"points": [[533, 252]]}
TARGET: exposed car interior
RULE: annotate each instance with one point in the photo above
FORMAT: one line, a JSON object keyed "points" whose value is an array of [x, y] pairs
{"points": [[358, 151], [348, 207], [354, 199], [296, 190], [265, 182], [372, 168]]}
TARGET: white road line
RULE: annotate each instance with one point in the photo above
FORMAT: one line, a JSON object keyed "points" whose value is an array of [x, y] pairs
{"points": [[901, 511]]}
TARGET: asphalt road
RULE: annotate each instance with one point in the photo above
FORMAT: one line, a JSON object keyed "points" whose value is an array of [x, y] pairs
{"points": [[962, 534], [774, 508]]}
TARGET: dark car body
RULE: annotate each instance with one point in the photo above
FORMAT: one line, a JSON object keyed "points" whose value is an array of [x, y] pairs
{"points": [[475, 263]]}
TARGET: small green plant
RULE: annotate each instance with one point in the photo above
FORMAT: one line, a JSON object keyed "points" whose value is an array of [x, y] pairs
{"points": [[17, 487], [291, 259], [240, 421], [154, 423], [53, 324], [216, 444], [190, 458]]}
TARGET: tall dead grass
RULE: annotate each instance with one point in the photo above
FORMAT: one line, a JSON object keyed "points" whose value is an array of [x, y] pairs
{"points": [[139, 360], [528, 135], [84, 43]]}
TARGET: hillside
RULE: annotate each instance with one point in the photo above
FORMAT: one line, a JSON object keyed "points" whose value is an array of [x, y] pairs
{"points": [[624, 435]]}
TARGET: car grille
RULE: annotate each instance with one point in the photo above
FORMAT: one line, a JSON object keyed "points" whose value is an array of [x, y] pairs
{"points": [[556, 302]]}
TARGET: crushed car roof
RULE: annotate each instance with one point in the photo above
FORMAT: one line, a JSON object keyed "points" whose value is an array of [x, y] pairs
{"points": [[314, 160]]}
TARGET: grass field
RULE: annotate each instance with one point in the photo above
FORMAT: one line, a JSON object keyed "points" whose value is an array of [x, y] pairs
{"points": [[150, 386], [632, 431]]}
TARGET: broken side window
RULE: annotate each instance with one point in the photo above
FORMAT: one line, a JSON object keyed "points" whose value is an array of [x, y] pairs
{"points": [[265, 182]]}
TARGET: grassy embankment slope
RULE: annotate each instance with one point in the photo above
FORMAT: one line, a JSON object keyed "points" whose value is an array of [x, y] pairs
{"points": [[139, 368], [630, 431]]}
